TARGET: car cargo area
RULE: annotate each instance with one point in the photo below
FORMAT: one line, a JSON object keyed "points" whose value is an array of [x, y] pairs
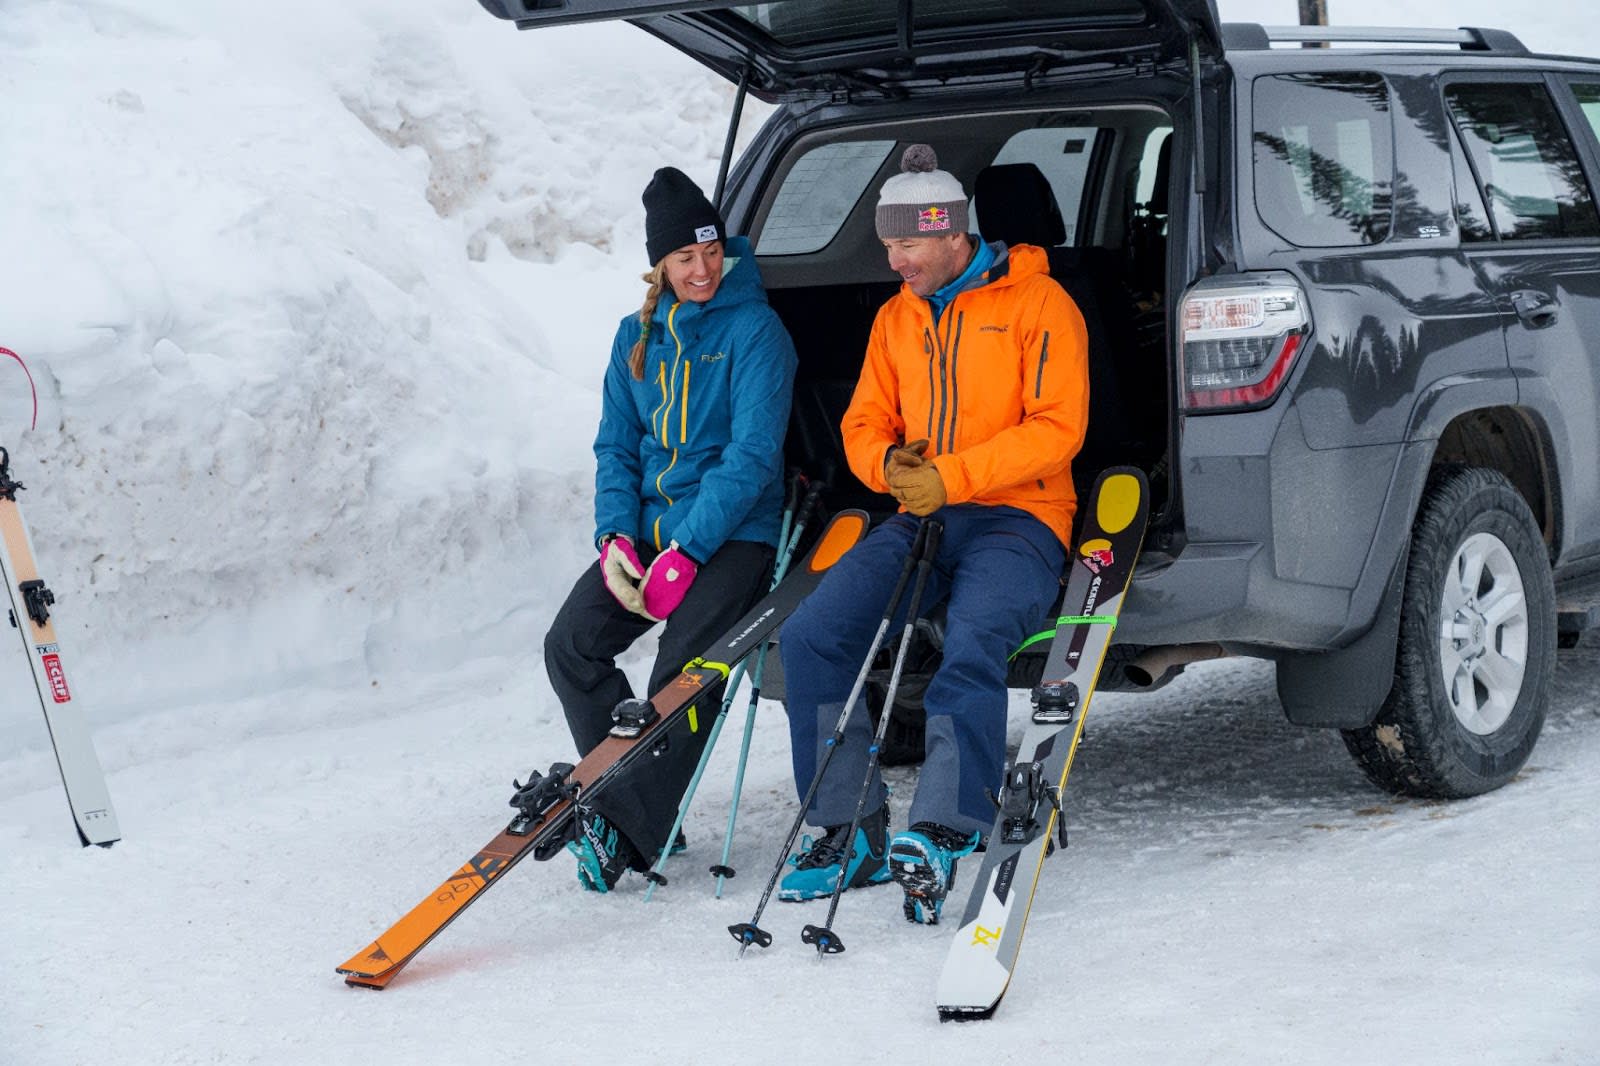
{"points": [[1088, 186]]}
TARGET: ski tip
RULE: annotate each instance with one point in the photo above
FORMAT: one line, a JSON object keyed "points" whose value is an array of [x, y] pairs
{"points": [[841, 535], [1120, 498]]}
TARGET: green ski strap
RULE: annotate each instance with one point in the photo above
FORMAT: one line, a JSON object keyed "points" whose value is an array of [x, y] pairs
{"points": [[1064, 620]]}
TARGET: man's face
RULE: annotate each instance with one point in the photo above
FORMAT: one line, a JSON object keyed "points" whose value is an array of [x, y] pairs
{"points": [[928, 264], [695, 270]]}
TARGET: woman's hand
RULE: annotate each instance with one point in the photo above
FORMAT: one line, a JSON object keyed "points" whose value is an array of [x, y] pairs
{"points": [[667, 582], [621, 569]]}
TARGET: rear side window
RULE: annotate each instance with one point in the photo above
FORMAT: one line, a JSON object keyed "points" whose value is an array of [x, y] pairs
{"points": [[1524, 161], [817, 195], [1588, 94], [1324, 158], [1472, 218], [1062, 155]]}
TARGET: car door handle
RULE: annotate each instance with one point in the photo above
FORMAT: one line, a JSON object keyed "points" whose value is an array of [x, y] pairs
{"points": [[1536, 309]]}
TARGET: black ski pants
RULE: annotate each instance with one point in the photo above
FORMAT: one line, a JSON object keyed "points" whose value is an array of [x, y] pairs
{"points": [[580, 651]]}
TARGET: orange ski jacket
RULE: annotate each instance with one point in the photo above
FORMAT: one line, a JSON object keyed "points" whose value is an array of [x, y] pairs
{"points": [[999, 387]]}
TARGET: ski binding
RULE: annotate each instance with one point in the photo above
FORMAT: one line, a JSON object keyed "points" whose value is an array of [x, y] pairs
{"points": [[631, 717], [541, 793]]}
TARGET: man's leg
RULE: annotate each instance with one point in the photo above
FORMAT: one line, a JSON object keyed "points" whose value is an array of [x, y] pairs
{"points": [[823, 646], [1006, 579]]}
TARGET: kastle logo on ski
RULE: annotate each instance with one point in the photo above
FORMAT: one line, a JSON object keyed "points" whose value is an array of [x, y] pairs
{"points": [[752, 627]]}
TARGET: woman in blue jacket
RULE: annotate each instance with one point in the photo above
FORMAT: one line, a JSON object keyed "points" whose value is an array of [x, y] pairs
{"points": [[688, 494]]}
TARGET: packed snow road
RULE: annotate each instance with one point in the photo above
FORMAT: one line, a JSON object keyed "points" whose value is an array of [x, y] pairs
{"points": [[1234, 892]]}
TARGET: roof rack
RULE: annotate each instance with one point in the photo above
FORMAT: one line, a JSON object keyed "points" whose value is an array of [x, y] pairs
{"points": [[1250, 36]]}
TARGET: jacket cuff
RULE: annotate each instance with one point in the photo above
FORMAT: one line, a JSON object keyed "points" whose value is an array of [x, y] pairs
{"points": [[957, 486]]}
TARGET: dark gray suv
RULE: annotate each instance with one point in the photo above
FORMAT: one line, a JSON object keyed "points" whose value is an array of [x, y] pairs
{"points": [[1343, 307]]}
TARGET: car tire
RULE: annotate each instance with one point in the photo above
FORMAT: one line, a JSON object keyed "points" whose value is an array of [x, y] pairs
{"points": [[1476, 654]]}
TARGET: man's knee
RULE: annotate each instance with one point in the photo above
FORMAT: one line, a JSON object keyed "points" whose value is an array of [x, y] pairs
{"points": [[798, 638]]}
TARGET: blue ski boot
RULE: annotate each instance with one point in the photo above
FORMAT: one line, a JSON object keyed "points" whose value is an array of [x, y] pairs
{"points": [[603, 854], [818, 863], [923, 860]]}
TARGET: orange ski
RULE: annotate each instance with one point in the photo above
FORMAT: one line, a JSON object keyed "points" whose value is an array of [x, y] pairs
{"points": [[542, 826]]}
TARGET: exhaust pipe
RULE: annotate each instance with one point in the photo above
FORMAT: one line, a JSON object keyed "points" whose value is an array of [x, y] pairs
{"points": [[1156, 666]]}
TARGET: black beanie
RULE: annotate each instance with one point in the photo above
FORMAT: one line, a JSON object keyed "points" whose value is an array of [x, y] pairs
{"points": [[677, 213]]}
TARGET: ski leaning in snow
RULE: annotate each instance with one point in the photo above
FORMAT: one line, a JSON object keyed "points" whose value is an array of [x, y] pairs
{"points": [[69, 731], [984, 952], [548, 802]]}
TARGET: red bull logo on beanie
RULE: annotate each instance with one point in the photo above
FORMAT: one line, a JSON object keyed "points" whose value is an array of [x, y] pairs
{"points": [[932, 219]]}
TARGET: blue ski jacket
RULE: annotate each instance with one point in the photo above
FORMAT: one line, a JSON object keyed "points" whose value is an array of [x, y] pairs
{"points": [[694, 452]]}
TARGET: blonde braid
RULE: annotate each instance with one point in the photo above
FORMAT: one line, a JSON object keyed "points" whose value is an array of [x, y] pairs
{"points": [[657, 277]]}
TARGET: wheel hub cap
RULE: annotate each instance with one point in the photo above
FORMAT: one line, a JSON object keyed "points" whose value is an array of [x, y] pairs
{"points": [[1483, 637]]}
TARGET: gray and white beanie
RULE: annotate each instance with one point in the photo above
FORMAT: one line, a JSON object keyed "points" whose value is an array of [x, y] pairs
{"points": [[921, 200]]}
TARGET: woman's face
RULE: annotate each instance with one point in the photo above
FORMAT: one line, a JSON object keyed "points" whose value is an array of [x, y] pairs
{"points": [[695, 270]]}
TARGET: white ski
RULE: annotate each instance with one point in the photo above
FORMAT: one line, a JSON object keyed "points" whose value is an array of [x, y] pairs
{"points": [[69, 731]]}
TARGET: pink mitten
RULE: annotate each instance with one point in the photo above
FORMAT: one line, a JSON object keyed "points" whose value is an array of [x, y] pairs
{"points": [[621, 569], [667, 582]]}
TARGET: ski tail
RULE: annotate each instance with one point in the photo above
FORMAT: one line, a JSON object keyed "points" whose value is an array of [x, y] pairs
{"points": [[534, 830], [983, 953]]}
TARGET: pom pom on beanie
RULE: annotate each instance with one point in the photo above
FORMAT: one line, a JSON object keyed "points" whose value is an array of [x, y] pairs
{"points": [[921, 200]]}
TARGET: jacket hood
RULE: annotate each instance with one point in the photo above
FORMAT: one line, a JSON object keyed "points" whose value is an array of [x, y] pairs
{"points": [[741, 284]]}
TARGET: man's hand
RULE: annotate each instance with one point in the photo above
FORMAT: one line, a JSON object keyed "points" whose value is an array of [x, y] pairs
{"points": [[920, 487], [905, 456]]}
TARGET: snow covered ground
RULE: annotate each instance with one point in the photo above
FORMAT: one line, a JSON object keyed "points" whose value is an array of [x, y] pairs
{"points": [[316, 296]]}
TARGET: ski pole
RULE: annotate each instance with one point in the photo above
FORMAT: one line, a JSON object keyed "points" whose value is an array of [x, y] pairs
{"points": [[785, 557], [722, 870], [823, 936], [747, 933]]}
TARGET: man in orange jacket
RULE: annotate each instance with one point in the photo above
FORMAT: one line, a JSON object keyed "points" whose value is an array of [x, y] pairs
{"points": [[972, 402]]}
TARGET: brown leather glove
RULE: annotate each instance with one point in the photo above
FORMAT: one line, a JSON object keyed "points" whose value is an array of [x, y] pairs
{"points": [[920, 488], [904, 456]]}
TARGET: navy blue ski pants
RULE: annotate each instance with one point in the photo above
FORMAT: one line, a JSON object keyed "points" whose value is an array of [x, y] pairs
{"points": [[999, 571]]}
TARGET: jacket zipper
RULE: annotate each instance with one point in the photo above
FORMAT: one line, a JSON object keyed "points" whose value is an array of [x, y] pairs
{"points": [[955, 382], [683, 422], [668, 387], [1044, 354]]}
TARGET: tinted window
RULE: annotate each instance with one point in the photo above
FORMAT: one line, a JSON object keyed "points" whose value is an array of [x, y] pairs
{"points": [[1062, 154], [1324, 158], [1589, 100], [818, 194], [1471, 216], [1524, 160]]}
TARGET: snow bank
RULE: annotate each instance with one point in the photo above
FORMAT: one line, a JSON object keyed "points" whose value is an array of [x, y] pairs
{"points": [[317, 297]]}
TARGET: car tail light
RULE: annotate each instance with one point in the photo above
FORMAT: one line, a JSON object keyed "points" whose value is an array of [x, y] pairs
{"points": [[1240, 340]]}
